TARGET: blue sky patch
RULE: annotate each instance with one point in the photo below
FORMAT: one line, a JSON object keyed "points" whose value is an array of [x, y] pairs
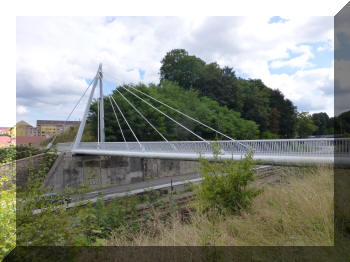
{"points": [[277, 19], [322, 58], [110, 19], [142, 73], [108, 87]]}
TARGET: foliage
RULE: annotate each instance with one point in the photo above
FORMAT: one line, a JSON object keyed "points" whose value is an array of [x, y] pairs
{"points": [[5, 134], [100, 220], [42, 222], [268, 135], [50, 226], [342, 124], [251, 97], [26, 151], [179, 67], [69, 136], [7, 205], [204, 109], [7, 154], [305, 126], [225, 184], [274, 124], [297, 211], [323, 122], [18, 152], [284, 113]]}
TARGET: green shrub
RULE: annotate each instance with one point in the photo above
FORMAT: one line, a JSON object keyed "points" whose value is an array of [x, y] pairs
{"points": [[17, 152], [7, 214], [7, 203], [269, 135], [52, 226], [225, 184], [26, 151], [7, 154]]}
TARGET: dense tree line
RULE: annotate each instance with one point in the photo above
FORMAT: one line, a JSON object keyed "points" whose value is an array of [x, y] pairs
{"points": [[342, 124], [189, 102], [240, 108], [275, 115], [320, 124]]}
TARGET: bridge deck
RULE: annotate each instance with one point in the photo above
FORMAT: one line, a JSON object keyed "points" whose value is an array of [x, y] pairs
{"points": [[270, 151]]}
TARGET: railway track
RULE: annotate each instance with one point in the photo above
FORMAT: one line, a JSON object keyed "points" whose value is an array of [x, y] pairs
{"points": [[264, 173]]}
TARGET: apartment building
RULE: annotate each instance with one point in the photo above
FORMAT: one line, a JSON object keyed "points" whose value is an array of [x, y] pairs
{"points": [[22, 128], [54, 126]]}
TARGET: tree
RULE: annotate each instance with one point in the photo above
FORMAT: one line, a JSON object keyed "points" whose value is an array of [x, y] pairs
{"points": [[179, 67], [305, 126], [189, 102], [342, 124], [321, 120], [274, 125], [287, 111], [221, 85], [288, 122], [256, 103], [250, 97]]}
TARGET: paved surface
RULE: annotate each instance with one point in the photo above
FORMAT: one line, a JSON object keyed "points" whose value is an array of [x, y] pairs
{"points": [[163, 182], [178, 182]]}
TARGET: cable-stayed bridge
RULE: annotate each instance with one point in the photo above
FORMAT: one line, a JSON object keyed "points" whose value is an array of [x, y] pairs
{"points": [[298, 151]]}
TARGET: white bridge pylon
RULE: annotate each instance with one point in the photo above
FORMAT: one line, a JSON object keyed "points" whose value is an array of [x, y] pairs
{"points": [[298, 151]]}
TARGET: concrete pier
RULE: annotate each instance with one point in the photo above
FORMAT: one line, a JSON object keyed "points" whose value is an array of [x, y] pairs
{"points": [[105, 171]]}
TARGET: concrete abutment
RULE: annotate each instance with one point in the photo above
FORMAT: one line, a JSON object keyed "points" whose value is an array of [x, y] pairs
{"points": [[97, 172]]}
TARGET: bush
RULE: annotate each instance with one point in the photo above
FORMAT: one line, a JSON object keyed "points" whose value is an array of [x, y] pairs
{"points": [[52, 226], [225, 184], [12, 153], [7, 214], [7, 203], [269, 135], [7, 154]]}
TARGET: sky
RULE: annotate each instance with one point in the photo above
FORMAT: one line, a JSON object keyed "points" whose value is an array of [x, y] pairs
{"points": [[50, 52], [56, 56]]}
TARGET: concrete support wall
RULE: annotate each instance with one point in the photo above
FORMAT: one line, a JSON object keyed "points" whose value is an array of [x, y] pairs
{"points": [[22, 167], [104, 171]]}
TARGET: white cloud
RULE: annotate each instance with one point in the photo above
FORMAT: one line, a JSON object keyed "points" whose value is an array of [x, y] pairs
{"points": [[311, 90], [56, 54], [21, 110], [301, 61]]}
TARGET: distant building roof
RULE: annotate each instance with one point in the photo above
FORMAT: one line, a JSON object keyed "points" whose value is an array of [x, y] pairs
{"points": [[56, 122], [24, 140], [22, 123], [5, 141], [4, 129]]}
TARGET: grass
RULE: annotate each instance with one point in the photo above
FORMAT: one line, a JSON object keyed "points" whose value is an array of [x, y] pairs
{"points": [[69, 136], [296, 212]]}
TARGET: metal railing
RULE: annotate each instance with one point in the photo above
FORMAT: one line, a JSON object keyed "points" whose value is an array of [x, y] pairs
{"points": [[293, 147]]}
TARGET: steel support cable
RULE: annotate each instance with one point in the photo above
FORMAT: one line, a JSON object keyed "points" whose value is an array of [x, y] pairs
{"points": [[80, 99], [121, 130], [141, 115], [193, 119], [167, 116], [244, 146], [126, 121], [64, 124]]}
